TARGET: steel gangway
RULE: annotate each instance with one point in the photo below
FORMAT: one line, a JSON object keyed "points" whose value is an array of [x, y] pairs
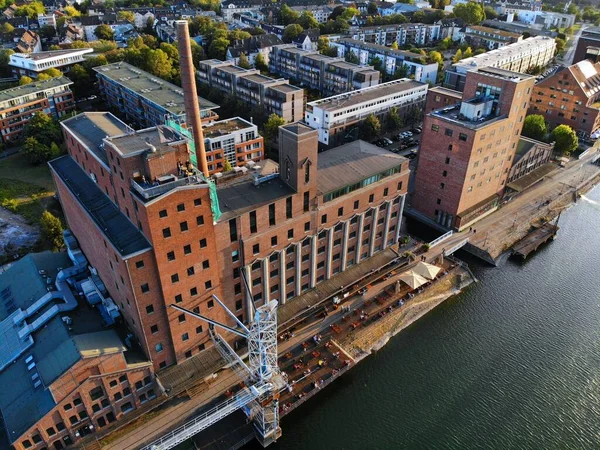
{"points": [[208, 418]]}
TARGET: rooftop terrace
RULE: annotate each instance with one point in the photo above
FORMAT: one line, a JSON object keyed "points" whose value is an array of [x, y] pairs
{"points": [[452, 114], [154, 89]]}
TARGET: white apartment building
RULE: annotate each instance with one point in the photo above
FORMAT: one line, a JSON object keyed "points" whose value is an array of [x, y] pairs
{"points": [[31, 64], [392, 59], [517, 57], [47, 20], [335, 117]]}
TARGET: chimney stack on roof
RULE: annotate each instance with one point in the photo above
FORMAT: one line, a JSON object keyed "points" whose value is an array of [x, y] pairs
{"points": [[190, 97]]}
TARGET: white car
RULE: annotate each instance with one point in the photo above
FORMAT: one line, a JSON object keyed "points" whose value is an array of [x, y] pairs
{"points": [[387, 141]]}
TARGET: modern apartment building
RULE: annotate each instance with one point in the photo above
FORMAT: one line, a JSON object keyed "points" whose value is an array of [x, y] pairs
{"points": [[336, 117], [571, 97], [31, 64], [328, 75], [415, 66], [144, 99], [234, 140], [63, 373], [468, 149], [405, 33], [261, 235], [518, 57], [489, 38], [275, 96], [19, 104]]}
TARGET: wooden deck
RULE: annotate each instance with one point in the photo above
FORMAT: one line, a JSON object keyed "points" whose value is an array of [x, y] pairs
{"points": [[533, 240]]}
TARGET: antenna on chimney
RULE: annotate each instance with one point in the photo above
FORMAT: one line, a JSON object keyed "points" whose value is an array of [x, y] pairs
{"points": [[190, 96]]}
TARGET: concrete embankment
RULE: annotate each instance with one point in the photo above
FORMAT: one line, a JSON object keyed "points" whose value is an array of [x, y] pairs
{"points": [[364, 341]]}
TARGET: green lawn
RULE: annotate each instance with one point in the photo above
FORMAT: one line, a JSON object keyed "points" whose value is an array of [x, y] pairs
{"points": [[24, 189]]}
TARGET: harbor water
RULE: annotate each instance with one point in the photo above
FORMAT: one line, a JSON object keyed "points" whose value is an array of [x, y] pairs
{"points": [[511, 363]]}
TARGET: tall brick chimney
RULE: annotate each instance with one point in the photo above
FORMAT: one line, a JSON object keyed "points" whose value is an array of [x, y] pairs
{"points": [[188, 83]]}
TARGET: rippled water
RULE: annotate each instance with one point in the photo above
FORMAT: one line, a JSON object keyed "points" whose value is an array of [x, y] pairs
{"points": [[512, 363]]}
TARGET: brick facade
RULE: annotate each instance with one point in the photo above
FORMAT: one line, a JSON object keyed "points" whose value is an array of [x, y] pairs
{"points": [[463, 164]]}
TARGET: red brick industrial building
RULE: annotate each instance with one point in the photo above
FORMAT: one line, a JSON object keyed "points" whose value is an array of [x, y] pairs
{"points": [[570, 97], [157, 237], [467, 149]]}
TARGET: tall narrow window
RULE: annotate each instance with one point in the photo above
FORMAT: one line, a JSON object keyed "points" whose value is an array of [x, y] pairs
{"points": [[307, 172], [253, 228], [232, 231], [272, 214], [288, 207], [306, 201]]}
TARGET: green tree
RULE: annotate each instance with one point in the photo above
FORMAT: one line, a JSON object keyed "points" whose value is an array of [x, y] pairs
{"points": [[393, 121], [244, 63], [80, 78], [104, 32], [377, 63], [53, 72], [457, 56], [436, 57], [159, 64], [490, 13], [565, 139], [413, 115], [372, 8], [260, 63], [307, 20], [126, 15], [71, 11], [6, 28], [47, 32], [197, 53], [471, 12], [370, 127], [445, 44], [394, 45], [560, 45], [227, 166], [43, 128], [535, 127], [467, 53], [52, 230], [418, 17], [5, 69], [25, 80], [271, 126], [288, 15], [218, 48], [30, 10], [408, 2], [401, 71], [351, 57], [36, 152], [291, 32]]}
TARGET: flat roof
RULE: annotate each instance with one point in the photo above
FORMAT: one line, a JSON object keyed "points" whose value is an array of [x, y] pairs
{"points": [[239, 197], [225, 127], [140, 141], [452, 114], [123, 234], [51, 54], [383, 49], [483, 29], [286, 88], [33, 88], [99, 343], [368, 94], [154, 89], [446, 91], [351, 163], [92, 127]]}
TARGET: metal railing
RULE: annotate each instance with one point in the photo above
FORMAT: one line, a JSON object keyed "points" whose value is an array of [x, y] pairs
{"points": [[207, 419], [441, 238], [154, 191]]}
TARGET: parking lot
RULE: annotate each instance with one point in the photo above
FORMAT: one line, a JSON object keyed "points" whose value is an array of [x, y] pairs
{"points": [[405, 143]]}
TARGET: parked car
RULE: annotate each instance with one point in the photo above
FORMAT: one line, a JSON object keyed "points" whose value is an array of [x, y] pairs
{"points": [[387, 141], [417, 130]]}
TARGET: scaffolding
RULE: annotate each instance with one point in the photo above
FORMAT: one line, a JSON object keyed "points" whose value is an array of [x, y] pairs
{"points": [[186, 132]]}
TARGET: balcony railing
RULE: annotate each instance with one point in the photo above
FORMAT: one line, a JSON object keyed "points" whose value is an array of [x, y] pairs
{"points": [[150, 190]]}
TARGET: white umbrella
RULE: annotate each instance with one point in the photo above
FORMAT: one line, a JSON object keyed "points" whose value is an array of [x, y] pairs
{"points": [[427, 270], [413, 279]]}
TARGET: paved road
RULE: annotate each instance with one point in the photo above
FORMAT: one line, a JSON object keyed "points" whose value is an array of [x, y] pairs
{"points": [[567, 60]]}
